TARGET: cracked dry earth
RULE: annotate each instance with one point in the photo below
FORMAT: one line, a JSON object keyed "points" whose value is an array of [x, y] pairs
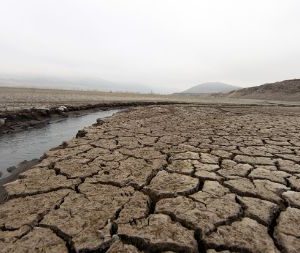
{"points": [[164, 179]]}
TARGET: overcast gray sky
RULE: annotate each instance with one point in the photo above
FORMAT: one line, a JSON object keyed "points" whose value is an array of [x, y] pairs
{"points": [[171, 44]]}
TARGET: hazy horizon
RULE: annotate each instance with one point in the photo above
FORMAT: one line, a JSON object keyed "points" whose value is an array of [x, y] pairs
{"points": [[160, 46]]}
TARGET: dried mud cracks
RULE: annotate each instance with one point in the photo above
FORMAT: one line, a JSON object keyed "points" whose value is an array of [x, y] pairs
{"points": [[164, 179]]}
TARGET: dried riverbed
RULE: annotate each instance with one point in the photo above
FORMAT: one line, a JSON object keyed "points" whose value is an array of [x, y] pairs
{"points": [[164, 179]]}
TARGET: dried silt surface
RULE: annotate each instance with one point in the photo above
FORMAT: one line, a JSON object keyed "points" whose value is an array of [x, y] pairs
{"points": [[168, 178]]}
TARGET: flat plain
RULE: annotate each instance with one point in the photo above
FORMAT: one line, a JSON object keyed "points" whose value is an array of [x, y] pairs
{"points": [[169, 178], [13, 99]]}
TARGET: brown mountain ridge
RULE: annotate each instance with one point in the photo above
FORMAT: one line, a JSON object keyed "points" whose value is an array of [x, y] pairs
{"points": [[288, 90]]}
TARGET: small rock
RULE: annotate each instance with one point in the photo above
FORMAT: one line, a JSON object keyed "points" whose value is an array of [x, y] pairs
{"points": [[2, 121], [62, 108], [81, 133], [100, 121]]}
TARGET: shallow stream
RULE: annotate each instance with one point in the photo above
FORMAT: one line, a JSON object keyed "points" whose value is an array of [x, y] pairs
{"points": [[33, 143]]}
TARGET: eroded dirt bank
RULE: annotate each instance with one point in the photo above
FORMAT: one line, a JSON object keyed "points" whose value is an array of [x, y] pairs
{"points": [[164, 179]]}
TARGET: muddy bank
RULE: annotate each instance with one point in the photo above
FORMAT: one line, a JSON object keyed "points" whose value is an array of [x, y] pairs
{"points": [[15, 121], [14, 174]]}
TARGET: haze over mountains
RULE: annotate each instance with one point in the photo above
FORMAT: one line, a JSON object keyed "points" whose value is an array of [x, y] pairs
{"points": [[211, 87], [72, 83], [288, 90]]}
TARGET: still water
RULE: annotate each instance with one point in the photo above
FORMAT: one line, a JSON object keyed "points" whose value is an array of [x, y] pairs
{"points": [[33, 143]]}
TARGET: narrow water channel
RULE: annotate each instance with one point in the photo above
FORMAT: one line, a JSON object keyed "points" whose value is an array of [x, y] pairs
{"points": [[33, 143]]}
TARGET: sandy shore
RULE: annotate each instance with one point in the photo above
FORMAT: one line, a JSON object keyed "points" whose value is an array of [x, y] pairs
{"points": [[177, 178]]}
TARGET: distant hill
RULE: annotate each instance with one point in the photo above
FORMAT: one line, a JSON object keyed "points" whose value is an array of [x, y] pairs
{"points": [[288, 90], [211, 87]]}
